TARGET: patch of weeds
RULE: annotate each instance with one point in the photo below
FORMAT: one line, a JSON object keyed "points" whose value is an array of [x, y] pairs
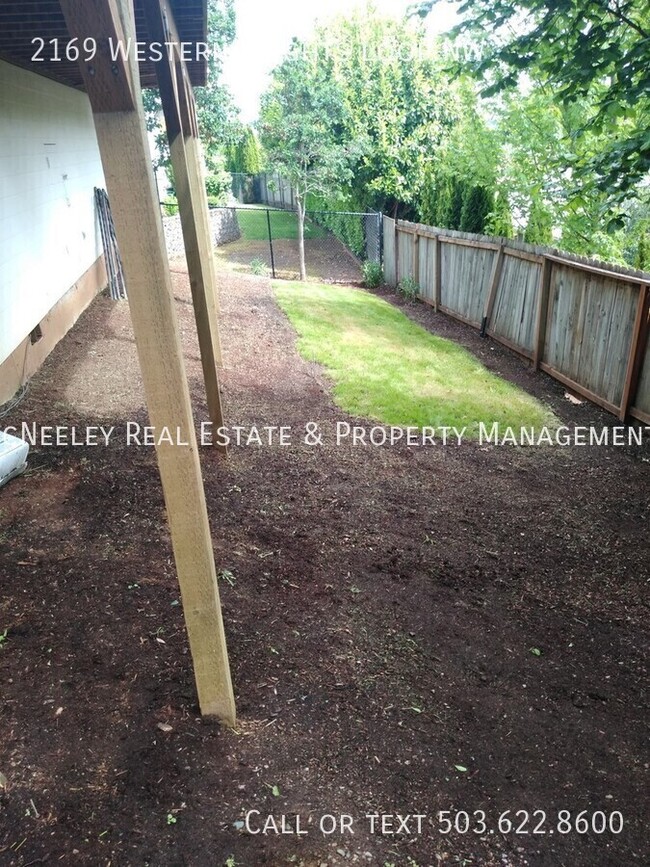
{"points": [[372, 274], [259, 268], [227, 575], [408, 288]]}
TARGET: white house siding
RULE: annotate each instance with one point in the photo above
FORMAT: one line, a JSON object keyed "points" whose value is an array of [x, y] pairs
{"points": [[49, 165]]}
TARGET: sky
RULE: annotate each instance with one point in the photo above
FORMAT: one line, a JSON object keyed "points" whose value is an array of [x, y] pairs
{"points": [[265, 29]]}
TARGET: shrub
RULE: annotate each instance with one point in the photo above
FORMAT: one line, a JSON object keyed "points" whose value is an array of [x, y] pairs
{"points": [[372, 274], [408, 288]]}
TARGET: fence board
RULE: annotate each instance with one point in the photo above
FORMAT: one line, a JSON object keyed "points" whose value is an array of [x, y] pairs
{"points": [[513, 315], [427, 268], [641, 407], [589, 331], [389, 251], [405, 257], [465, 279]]}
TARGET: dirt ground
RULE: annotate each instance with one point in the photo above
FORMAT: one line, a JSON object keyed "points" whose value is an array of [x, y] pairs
{"points": [[326, 259], [411, 630]]}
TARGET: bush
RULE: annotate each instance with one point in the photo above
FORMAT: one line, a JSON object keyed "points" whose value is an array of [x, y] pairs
{"points": [[372, 274], [408, 288]]}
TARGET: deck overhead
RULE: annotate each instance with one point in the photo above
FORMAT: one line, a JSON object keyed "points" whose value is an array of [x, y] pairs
{"points": [[23, 21]]}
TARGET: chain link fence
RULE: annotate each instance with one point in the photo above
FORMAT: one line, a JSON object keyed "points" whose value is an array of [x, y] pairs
{"points": [[336, 242]]}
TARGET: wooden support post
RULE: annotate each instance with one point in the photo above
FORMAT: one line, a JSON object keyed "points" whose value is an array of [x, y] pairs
{"points": [[495, 277], [637, 351], [192, 204], [124, 150], [541, 316], [437, 282], [396, 251], [416, 259]]}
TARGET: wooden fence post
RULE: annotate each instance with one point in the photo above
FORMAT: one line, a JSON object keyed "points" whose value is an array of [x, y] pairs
{"points": [[124, 149], [396, 251], [495, 276], [541, 315], [416, 260], [437, 278], [637, 351]]}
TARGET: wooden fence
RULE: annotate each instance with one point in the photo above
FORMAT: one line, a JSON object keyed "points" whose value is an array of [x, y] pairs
{"points": [[275, 191], [583, 322]]}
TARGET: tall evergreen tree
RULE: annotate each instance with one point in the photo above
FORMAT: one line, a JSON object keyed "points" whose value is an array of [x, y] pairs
{"points": [[478, 204]]}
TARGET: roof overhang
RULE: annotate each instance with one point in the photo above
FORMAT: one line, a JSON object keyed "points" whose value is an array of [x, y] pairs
{"points": [[24, 23]]}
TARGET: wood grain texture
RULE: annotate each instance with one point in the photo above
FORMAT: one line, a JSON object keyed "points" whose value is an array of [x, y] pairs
{"points": [[192, 204], [637, 351], [108, 78], [129, 177]]}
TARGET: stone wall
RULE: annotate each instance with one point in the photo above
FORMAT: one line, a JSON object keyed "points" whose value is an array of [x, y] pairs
{"points": [[223, 222]]}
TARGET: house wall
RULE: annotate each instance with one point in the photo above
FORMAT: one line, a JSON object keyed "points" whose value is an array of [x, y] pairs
{"points": [[50, 247]]}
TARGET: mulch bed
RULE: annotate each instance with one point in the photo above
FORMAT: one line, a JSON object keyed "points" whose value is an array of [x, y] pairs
{"points": [[381, 605]]}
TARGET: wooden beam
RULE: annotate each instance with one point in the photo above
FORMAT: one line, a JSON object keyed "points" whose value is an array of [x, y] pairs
{"points": [[191, 195], [594, 269], [108, 77], [464, 242], [541, 315], [124, 150], [495, 277], [637, 352]]}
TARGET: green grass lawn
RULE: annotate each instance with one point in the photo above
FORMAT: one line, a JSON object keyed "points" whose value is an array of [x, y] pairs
{"points": [[284, 224], [385, 367]]}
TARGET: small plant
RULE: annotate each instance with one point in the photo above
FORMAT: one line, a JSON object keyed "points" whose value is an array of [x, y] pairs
{"points": [[259, 268], [408, 288], [3, 637], [170, 207], [372, 274], [171, 819]]}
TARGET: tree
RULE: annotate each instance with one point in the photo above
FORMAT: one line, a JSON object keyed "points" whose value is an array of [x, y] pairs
{"points": [[642, 261], [476, 208], [302, 124], [215, 107], [499, 221], [399, 103], [539, 229], [458, 195], [598, 50], [243, 156]]}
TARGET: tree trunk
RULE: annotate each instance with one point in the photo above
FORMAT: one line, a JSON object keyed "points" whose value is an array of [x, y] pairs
{"points": [[300, 207]]}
